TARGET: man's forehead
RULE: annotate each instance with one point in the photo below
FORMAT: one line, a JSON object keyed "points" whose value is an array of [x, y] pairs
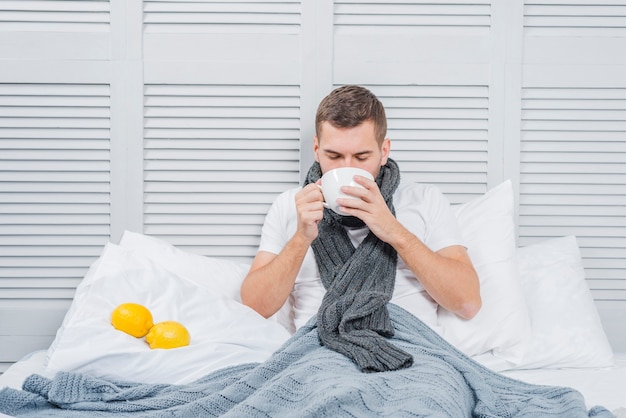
{"points": [[364, 130]]}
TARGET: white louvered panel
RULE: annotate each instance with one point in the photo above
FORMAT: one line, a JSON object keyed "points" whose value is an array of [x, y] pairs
{"points": [[232, 36], [575, 18], [216, 156], [438, 17], [54, 187], [55, 15], [439, 135], [573, 177], [222, 16]]}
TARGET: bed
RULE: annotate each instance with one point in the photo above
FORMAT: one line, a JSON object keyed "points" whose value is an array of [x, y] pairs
{"points": [[536, 347]]}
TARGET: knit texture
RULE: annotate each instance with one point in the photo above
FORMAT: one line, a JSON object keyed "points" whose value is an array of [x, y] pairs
{"points": [[353, 319], [305, 379]]}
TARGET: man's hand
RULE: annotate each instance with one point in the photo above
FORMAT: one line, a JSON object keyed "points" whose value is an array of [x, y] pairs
{"points": [[371, 208], [310, 209]]}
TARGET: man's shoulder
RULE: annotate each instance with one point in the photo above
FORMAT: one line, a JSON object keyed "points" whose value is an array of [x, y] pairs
{"points": [[289, 192], [286, 198], [413, 192]]}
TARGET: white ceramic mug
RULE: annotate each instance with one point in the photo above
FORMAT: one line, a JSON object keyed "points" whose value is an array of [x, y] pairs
{"points": [[333, 180]]}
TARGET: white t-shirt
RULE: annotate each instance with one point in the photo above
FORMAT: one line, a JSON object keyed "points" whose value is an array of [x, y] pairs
{"points": [[421, 208]]}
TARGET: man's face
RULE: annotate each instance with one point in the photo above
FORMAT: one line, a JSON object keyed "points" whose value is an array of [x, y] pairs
{"points": [[350, 147]]}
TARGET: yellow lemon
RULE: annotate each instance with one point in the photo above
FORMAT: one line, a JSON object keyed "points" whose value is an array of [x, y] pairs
{"points": [[132, 318], [168, 334]]}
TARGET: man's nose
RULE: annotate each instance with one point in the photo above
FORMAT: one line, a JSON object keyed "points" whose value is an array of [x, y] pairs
{"points": [[347, 162]]}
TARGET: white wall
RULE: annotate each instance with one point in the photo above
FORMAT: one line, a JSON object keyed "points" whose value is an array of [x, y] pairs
{"points": [[183, 120]]}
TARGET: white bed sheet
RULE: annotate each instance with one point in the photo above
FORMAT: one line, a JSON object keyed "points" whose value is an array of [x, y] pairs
{"points": [[600, 386]]}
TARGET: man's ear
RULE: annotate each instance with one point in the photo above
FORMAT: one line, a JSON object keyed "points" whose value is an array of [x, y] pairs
{"points": [[316, 147], [384, 151]]}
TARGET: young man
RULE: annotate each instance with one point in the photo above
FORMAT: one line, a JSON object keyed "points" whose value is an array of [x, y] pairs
{"points": [[411, 228]]}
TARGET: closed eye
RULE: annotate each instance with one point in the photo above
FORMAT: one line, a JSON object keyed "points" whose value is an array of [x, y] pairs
{"points": [[332, 154]]}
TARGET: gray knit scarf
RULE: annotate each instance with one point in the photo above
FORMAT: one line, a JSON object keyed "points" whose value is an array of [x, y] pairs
{"points": [[353, 318]]}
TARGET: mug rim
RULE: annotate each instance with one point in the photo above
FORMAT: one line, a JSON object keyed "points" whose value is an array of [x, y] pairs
{"points": [[357, 169]]}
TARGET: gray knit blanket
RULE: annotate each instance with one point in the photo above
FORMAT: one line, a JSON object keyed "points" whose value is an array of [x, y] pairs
{"points": [[305, 379]]}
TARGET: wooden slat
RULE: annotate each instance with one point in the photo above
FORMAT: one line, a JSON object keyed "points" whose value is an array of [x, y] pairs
{"points": [[58, 15], [225, 17]]}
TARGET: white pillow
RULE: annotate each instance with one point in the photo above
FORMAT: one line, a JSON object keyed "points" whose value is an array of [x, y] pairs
{"points": [[218, 275], [502, 326], [566, 327], [223, 331]]}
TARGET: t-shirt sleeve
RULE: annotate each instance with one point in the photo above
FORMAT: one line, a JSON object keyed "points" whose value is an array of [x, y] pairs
{"points": [[278, 222]]}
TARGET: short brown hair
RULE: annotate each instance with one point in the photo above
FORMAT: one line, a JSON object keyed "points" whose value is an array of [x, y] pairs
{"points": [[349, 106]]}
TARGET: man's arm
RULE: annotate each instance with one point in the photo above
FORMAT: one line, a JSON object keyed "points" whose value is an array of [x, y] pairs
{"points": [[447, 275], [271, 277]]}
